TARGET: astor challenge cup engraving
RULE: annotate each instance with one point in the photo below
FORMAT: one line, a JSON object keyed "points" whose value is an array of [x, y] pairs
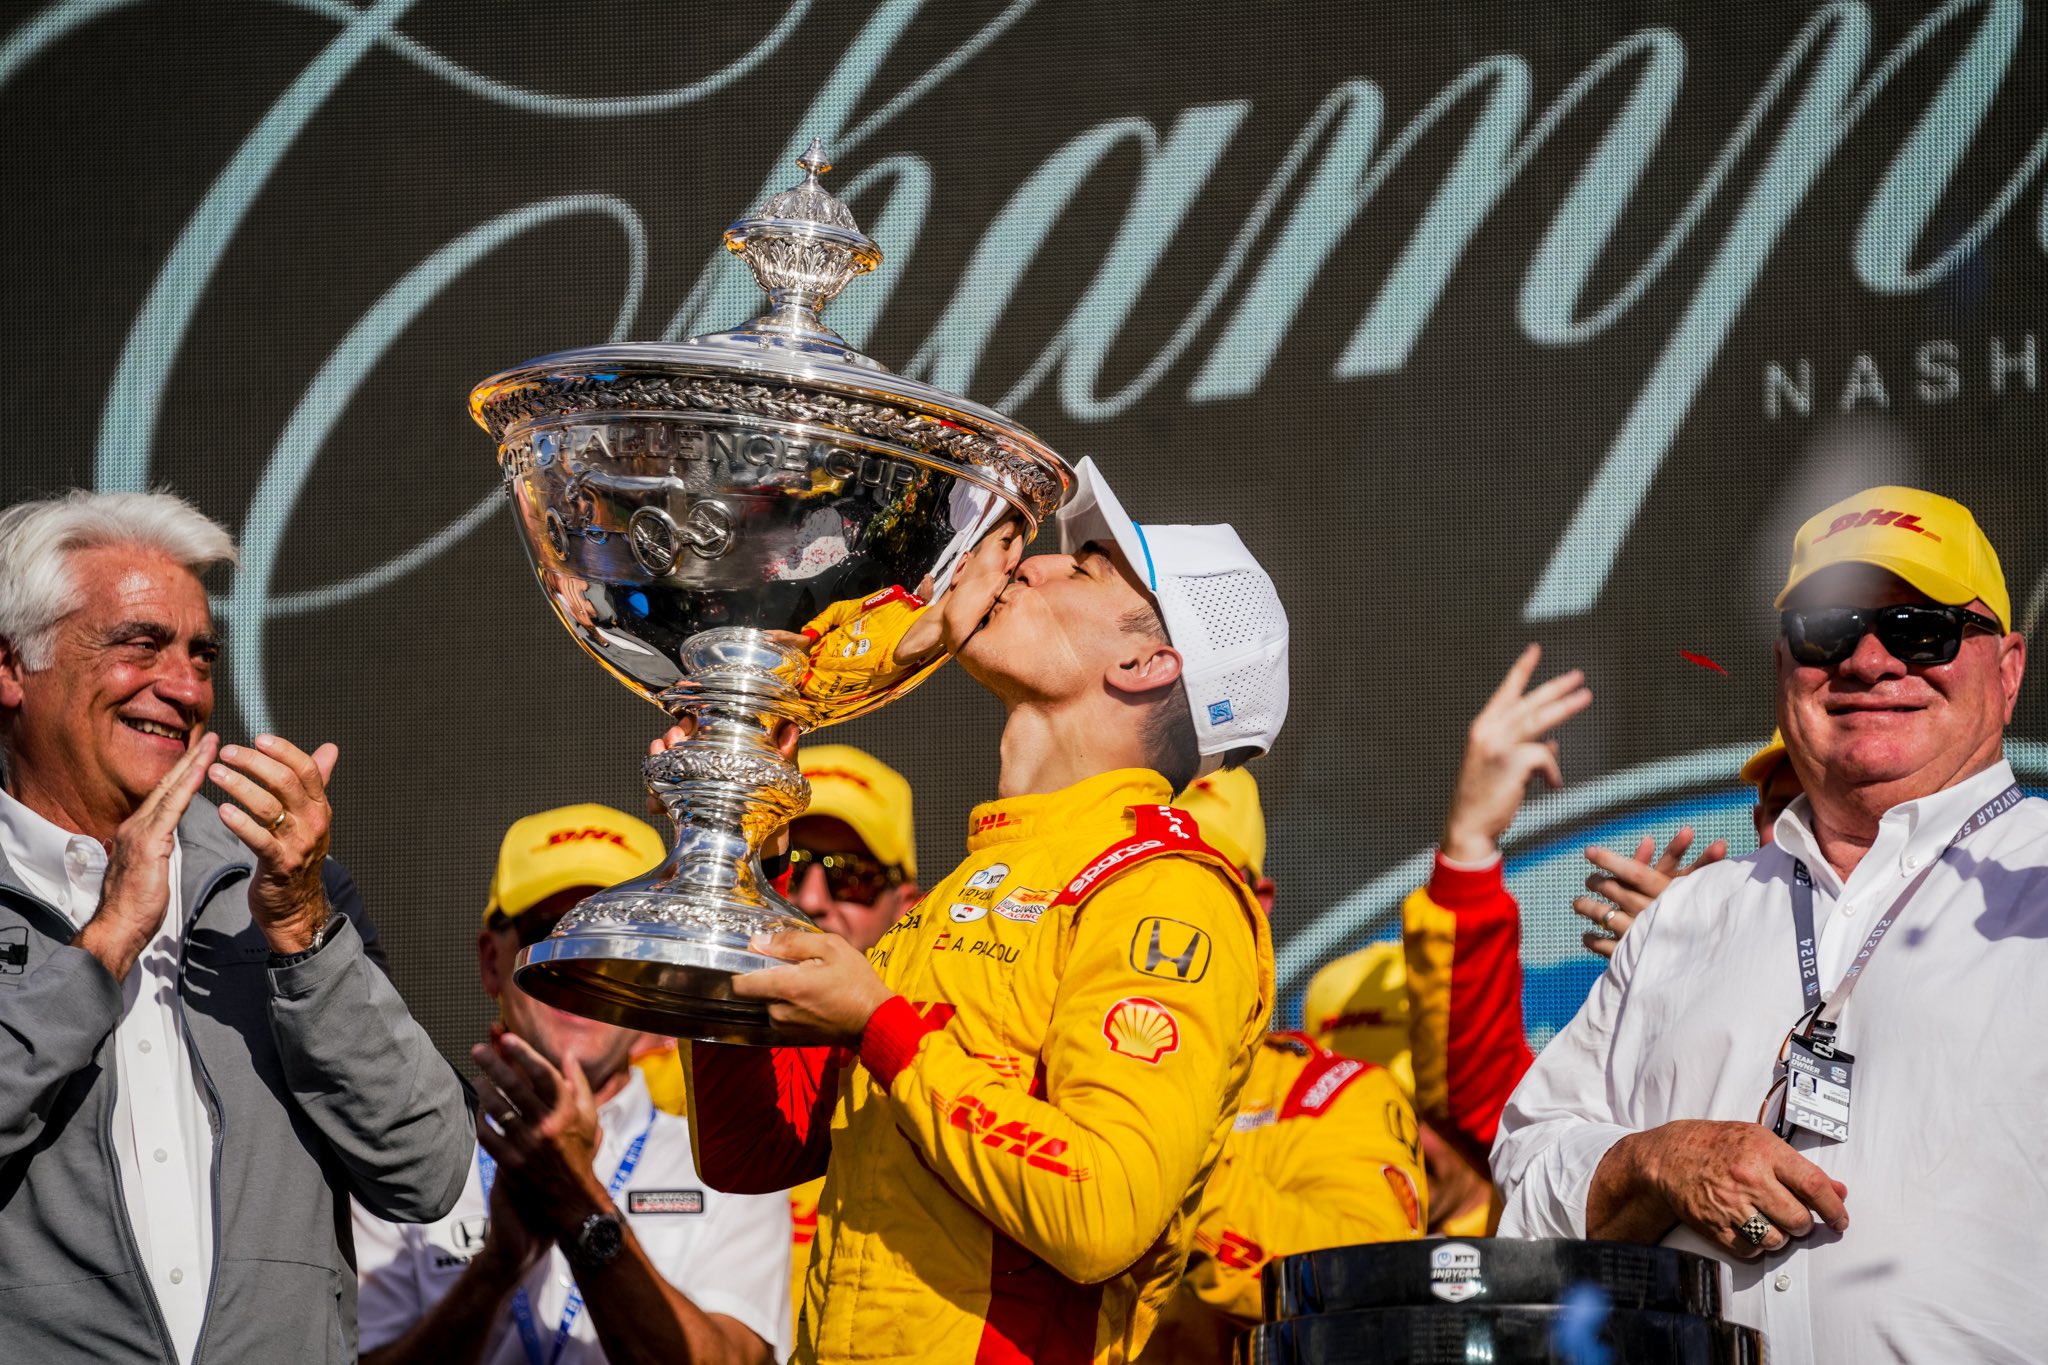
{"points": [[706, 518]]}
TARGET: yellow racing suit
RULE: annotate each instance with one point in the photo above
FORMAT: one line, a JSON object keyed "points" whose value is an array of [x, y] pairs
{"points": [[1013, 1158], [1324, 1153]]}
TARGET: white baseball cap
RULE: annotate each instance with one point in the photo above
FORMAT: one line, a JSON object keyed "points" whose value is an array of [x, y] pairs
{"points": [[1220, 609]]}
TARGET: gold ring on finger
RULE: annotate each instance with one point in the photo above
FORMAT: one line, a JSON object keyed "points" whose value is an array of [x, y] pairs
{"points": [[277, 824], [1612, 911]]}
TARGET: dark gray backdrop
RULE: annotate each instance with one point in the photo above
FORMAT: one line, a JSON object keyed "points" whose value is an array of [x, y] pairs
{"points": [[1483, 322]]}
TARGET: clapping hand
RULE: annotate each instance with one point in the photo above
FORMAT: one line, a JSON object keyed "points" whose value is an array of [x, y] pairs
{"points": [[137, 888], [277, 806], [540, 1125]]}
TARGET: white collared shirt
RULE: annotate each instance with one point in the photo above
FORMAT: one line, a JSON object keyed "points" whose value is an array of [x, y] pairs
{"points": [[1946, 1161], [163, 1140], [727, 1253]]}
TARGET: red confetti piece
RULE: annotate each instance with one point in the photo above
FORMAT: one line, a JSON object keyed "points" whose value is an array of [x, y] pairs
{"points": [[1702, 660]]}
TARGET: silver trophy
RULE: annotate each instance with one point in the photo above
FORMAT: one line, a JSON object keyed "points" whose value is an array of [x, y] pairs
{"points": [[690, 510]]}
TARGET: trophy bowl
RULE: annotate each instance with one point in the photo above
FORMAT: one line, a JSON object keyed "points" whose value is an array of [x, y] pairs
{"points": [[737, 527]]}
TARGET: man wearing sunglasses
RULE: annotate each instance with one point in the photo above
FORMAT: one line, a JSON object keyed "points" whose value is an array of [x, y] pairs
{"points": [[1722, 1091], [1029, 1079], [584, 1233]]}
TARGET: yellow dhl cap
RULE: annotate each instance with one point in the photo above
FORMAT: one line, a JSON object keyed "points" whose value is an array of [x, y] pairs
{"points": [[581, 845], [1756, 770], [853, 785], [1357, 1006], [1930, 541], [1226, 806]]}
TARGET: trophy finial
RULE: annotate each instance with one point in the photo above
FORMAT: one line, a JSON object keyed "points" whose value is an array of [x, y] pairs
{"points": [[814, 162], [803, 246]]}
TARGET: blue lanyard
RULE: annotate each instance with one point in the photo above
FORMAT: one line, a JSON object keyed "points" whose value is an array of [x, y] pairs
{"points": [[522, 1307], [1828, 1009]]}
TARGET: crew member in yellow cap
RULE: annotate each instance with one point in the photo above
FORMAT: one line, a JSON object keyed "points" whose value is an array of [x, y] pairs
{"points": [[853, 852], [584, 1222], [1797, 1061], [1324, 1151]]}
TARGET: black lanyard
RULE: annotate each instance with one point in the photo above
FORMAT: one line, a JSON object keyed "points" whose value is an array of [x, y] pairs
{"points": [[1807, 945]]}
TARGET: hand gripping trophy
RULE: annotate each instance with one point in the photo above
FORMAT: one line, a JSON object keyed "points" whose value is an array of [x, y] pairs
{"points": [[732, 526]]}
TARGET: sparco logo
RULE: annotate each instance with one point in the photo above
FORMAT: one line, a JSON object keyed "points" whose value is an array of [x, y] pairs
{"points": [[1109, 862], [1332, 1081]]}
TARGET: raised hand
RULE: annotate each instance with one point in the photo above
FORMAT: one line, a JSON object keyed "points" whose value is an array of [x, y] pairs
{"points": [[1507, 745], [1624, 887], [277, 806], [137, 888]]}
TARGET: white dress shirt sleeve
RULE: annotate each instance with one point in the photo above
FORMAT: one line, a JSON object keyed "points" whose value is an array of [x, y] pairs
{"points": [[739, 1265], [388, 1298], [1564, 1116]]}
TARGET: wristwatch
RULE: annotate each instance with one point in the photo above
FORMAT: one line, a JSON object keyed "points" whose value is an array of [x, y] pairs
{"points": [[597, 1242], [320, 937]]}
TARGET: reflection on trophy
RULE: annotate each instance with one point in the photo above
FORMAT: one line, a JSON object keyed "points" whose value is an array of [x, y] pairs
{"points": [[744, 528]]}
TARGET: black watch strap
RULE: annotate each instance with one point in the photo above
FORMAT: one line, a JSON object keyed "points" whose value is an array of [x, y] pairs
{"points": [[320, 937], [598, 1242]]}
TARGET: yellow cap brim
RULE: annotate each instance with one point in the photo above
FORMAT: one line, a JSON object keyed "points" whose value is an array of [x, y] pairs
{"points": [[1763, 762], [1938, 586]]}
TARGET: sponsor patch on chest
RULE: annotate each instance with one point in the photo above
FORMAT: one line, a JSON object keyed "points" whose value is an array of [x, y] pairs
{"points": [[1024, 905], [664, 1201], [989, 878]]}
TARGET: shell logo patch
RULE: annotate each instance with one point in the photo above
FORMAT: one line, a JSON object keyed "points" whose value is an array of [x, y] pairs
{"points": [[1142, 1029]]}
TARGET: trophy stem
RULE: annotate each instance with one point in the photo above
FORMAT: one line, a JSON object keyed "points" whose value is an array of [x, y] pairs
{"points": [[659, 952]]}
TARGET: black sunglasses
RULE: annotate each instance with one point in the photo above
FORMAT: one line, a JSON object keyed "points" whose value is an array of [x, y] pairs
{"points": [[849, 876], [1919, 633]]}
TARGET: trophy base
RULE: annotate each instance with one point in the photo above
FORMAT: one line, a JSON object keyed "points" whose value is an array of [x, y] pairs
{"points": [[641, 977]]}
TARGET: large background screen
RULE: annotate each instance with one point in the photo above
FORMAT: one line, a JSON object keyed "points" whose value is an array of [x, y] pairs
{"points": [[1483, 322]]}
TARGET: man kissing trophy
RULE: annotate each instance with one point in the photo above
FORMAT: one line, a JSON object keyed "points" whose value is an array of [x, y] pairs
{"points": [[743, 528]]}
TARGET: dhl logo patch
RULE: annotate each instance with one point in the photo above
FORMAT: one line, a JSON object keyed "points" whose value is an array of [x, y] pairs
{"points": [[1878, 516], [586, 835], [1014, 1138], [1239, 1252]]}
